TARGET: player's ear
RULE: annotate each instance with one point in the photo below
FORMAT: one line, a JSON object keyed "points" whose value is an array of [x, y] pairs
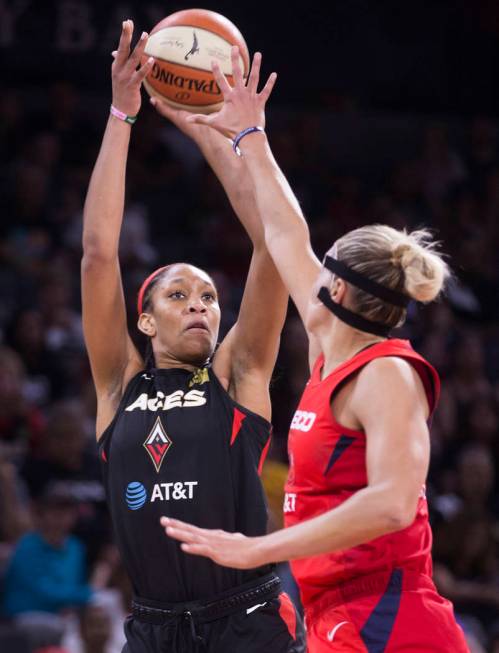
{"points": [[147, 325], [338, 290]]}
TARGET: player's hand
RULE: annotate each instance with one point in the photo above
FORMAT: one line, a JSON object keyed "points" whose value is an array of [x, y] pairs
{"points": [[233, 550], [200, 134], [126, 72], [243, 105]]}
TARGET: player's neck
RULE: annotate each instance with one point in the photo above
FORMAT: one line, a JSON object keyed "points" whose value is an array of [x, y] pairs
{"points": [[342, 343], [169, 361]]}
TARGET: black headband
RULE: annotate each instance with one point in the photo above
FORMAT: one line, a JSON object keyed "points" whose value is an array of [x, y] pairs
{"points": [[364, 283], [353, 319]]}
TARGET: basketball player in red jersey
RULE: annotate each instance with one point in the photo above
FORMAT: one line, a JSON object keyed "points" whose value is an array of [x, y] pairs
{"points": [[356, 513]]}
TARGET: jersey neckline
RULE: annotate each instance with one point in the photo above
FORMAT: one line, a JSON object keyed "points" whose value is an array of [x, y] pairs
{"points": [[178, 370], [183, 372], [315, 378]]}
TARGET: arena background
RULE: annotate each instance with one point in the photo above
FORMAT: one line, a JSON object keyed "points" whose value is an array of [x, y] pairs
{"points": [[383, 112]]}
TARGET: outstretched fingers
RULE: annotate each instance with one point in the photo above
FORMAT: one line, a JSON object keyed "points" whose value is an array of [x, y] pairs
{"points": [[198, 550], [144, 70], [179, 529], [267, 89], [123, 51], [138, 51], [254, 76], [177, 523], [236, 67], [220, 79], [185, 535]]}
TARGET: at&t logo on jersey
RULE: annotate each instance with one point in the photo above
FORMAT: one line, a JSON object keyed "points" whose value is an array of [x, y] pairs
{"points": [[136, 495], [303, 420], [177, 399], [157, 444], [173, 491], [289, 502]]}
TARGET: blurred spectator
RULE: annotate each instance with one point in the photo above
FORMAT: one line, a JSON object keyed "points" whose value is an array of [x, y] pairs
{"points": [[441, 166], [468, 574], [95, 625], [15, 516], [47, 570], [494, 638], [45, 372], [66, 454], [469, 381], [21, 423], [482, 154]]}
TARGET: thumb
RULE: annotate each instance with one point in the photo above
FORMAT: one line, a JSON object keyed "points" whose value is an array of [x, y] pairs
{"points": [[162, 107], [199, 119]]}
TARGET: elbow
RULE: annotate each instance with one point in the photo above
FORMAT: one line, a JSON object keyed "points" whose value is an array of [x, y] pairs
{"points": [[97, 246], [399, 515], [95, 256]]}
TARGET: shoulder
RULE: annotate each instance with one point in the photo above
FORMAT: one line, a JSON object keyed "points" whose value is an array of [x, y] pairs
{"points": [[387, 367], [387, 379], [109, 406]]}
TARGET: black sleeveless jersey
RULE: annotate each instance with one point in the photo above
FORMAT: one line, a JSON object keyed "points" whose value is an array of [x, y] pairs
{"points": [[180, 446]]}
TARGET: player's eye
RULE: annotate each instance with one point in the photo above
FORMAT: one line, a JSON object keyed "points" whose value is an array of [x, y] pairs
{"points": [[177, 294], [209, 295]]}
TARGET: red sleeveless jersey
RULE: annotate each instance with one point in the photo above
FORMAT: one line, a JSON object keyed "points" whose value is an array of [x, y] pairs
{"points": [[328, 465]]}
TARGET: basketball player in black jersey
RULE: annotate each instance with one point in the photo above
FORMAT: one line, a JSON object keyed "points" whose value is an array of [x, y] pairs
{"points": [[183, 438]]}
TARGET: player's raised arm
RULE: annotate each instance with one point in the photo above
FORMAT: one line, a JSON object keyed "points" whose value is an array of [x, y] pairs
{"points": [[286, 231], [113, 357], [246, 358]]}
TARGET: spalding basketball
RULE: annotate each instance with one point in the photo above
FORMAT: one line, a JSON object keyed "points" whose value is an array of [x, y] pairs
{"points": [[183, 46]]}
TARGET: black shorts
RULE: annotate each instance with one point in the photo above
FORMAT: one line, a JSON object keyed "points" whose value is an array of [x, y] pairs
{"points": [[254, 618]]}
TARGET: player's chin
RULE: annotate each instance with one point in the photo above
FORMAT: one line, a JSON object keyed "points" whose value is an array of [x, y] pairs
{"points": [[198, 350]]}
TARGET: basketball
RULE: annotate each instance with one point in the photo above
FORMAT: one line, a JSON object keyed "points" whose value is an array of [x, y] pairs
{"points": [[183, 46]]}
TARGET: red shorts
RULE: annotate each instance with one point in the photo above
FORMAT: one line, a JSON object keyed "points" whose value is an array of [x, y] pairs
{"points": [[402, 612]]}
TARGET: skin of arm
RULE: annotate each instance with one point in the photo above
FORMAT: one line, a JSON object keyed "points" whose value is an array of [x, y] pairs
{"points": [[286, 232], [113, 357], [388, 400], [245, 359]]}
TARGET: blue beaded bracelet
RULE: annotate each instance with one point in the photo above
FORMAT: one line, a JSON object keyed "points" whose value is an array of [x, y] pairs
{"points": [[241, 135]]}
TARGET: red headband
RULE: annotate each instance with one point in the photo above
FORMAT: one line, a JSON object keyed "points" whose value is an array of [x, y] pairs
{"points": [[144, 285]]}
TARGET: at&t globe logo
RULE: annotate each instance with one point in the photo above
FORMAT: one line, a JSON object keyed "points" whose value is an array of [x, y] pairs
{"points": [[136, 495]]}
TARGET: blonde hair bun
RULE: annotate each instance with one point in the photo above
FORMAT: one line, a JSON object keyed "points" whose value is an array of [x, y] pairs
{"points": [[425, 271]]}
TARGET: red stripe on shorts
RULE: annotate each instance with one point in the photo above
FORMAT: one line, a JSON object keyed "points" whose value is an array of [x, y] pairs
{"points": [[287, 612]]}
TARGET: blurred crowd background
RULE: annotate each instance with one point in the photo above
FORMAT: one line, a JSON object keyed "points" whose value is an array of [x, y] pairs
{"points": [[352, 159]]}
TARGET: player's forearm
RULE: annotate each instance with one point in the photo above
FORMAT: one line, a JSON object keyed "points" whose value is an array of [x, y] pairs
{"points": [[368, 514], [104, 204], [278, 207], [238, 186]]}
